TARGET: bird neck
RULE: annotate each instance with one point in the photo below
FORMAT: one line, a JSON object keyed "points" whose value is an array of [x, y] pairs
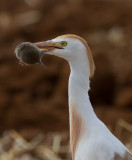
{"points": [[79, 85], [80, 109]]}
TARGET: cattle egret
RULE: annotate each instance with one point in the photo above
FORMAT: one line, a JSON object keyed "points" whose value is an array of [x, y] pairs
{"points": [[90, 139]]}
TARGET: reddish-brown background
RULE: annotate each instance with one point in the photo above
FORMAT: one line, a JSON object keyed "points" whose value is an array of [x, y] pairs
{"points": [[34, 100]]}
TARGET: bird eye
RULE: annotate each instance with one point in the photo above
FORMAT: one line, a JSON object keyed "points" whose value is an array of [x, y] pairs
{"points": [[63, 43]]}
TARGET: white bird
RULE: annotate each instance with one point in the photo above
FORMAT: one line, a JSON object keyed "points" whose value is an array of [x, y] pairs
{"points": [[90, 139]]}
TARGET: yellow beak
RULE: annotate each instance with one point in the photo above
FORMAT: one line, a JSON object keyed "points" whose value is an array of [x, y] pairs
{"points": [[48, 44]]}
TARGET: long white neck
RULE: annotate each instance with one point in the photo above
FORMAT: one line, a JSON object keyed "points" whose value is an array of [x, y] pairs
{"points": [[81, 112], [79, 85]]}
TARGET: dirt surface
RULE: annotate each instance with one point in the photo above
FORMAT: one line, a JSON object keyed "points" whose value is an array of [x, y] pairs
{"points": [[34, 100]]}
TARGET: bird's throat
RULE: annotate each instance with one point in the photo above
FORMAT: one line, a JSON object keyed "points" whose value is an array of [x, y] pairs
{"points": [[80, 109]]}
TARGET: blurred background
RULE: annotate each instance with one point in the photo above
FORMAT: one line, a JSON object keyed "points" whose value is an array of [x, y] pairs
{"points": [[34, 100]]}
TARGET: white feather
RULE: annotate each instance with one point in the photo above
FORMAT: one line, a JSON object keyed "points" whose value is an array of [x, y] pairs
{"points": [[97, 142]]}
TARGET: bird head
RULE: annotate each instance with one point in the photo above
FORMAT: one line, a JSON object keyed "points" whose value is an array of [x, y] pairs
{"points": [[69, 47]]}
